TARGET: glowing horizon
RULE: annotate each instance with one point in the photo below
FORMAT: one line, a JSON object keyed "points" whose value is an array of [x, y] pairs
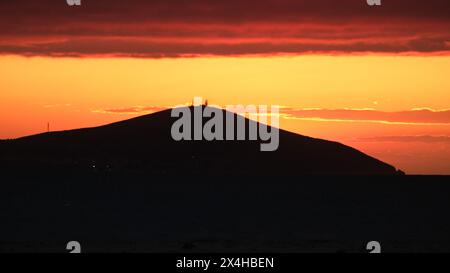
{"points": [[342, 98], [373, 77]]}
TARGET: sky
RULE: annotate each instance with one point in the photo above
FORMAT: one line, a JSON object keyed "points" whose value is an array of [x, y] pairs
{"points": [[375, 78]]}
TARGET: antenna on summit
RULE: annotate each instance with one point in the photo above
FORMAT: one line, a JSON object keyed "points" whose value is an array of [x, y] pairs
{"points": [[48, 127]]}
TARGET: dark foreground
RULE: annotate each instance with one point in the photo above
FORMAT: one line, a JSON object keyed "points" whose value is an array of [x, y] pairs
{"points": [[144, 214]]}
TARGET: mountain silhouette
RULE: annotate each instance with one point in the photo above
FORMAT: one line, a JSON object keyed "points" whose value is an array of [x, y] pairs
{"points": [[144, 145], [111, 188]]}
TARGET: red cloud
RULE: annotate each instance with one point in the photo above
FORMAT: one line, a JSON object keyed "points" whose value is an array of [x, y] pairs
{"points": [[162, 28]]}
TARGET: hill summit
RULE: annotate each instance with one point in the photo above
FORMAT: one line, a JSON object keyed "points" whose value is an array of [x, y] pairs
{"points": [[145, 145]]}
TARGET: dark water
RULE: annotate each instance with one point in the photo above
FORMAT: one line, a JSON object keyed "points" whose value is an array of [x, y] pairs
{"points": [[133, 213]]}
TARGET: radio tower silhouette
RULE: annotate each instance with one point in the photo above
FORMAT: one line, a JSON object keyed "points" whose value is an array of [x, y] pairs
{"points": [[48, 127]]}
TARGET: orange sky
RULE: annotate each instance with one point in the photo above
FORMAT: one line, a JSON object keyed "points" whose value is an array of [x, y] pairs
{"points": [[83, 92], [373, 77]]}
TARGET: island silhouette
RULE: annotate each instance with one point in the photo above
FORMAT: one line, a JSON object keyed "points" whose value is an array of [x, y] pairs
{"points": [[128, 186], [144, 145]]}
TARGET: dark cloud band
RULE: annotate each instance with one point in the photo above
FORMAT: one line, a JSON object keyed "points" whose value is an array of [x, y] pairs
{"points": [[174, 28]]}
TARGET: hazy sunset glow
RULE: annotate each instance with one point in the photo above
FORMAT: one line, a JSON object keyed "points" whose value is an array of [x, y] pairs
{"points": [[376, 80], [72, 93]]}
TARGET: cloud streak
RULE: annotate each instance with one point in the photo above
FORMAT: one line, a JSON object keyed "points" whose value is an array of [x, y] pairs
{"points": [[131, 110], [423, 138], [412, 117], [177, 28], [420, 116]]}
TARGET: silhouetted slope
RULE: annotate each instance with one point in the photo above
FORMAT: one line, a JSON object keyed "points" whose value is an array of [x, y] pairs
{"points": [[144, 144]]}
